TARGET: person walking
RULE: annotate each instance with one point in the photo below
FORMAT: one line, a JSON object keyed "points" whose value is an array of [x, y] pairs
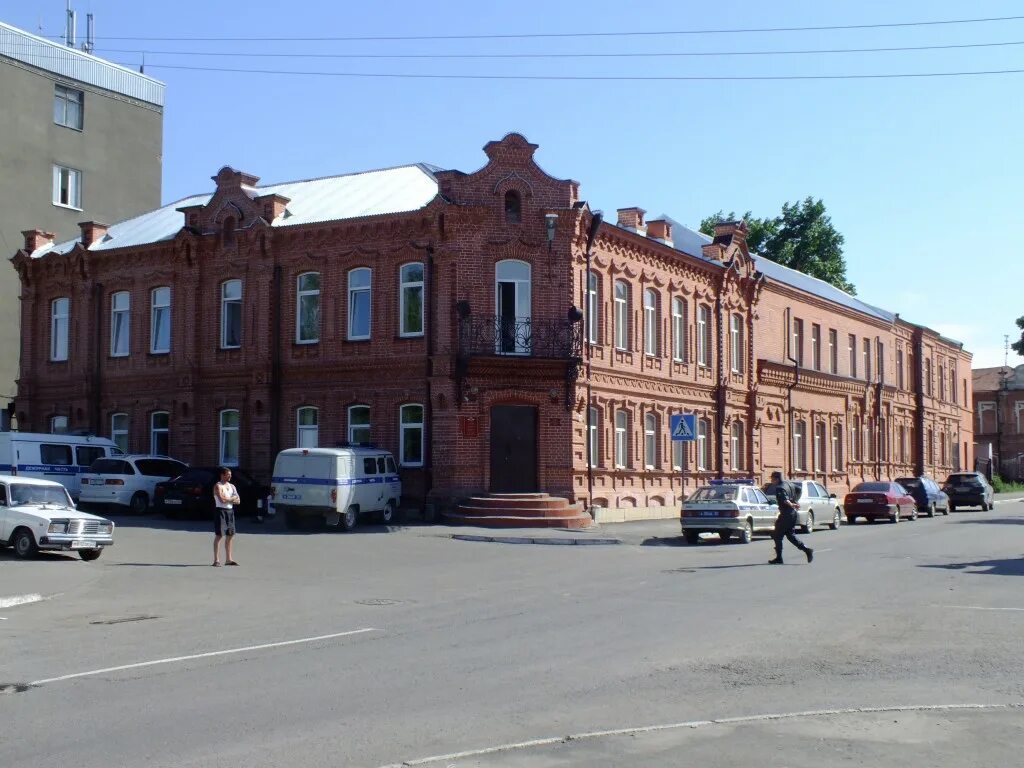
{"points": [[785, 523], [225, 497]]}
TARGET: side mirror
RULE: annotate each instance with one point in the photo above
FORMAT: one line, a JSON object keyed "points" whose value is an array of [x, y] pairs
{"points": [[773, 503], [831, 495]]}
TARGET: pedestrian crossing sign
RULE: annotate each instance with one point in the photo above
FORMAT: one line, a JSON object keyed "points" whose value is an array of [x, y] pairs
{"points": [[683, 427]]}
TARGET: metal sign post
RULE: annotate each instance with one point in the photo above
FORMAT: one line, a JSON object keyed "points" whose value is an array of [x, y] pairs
{"points": [[683, 429]]}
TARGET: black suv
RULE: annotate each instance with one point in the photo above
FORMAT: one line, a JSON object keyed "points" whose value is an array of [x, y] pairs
{"points": [[969, 489], [926, 492]]}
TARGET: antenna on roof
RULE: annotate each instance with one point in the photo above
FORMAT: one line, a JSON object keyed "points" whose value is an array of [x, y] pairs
{"points": [[90, 33], [69, 29], [1006, 350]]}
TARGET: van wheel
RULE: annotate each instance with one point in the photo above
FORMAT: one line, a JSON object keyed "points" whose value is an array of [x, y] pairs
{"points": [[387, 515], [139, 504], [24, 543], [89, 554], [348, 520]]}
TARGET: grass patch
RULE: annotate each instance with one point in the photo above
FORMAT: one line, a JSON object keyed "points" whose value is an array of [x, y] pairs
{"points": [[1005, 486]]}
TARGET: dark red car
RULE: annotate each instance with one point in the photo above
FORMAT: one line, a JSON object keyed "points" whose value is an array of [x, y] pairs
{"points": [[885, 500]]}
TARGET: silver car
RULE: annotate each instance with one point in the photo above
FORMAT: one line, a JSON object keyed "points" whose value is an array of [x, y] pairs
{"points": [[816, 505], [728, 509]]}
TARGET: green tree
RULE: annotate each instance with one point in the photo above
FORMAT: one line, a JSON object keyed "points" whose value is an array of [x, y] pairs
{"points": [[1018, 346], [802, 237]]}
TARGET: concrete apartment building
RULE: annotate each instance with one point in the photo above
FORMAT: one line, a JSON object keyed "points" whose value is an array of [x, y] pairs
{"points": [[444, 315], [80, 138], [999, 414]]}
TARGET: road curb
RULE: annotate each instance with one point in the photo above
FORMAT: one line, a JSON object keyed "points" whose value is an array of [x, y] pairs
{"points": [[568, 542], [12, 601]]}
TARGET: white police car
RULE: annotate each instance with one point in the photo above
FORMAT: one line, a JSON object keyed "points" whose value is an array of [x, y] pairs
{"points": [[729, 508]]}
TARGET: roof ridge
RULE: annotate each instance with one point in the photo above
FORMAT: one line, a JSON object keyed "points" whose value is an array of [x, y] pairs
{"points": [[421, 166]]}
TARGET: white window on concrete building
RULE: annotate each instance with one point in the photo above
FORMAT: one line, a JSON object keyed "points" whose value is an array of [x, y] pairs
{"points": [[67, 187], [67, 106]]}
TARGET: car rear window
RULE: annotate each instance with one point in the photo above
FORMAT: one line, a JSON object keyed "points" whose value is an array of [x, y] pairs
{"points": [[111, 467], [198, 476], [160, 467], [963, 479], [908, 482], [87, 454], [871, 487]]}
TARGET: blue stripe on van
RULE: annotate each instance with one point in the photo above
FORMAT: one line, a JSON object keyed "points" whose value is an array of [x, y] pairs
{"points": [[6, 467], [337, 482], [62, 469]]}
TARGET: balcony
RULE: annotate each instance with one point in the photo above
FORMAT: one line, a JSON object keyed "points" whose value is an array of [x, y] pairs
{"points": [[520, 337]]}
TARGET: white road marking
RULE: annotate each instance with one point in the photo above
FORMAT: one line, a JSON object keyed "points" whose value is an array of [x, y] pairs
{"points": [[697, 724], [10, 602], [207, 655], [978, 608]]}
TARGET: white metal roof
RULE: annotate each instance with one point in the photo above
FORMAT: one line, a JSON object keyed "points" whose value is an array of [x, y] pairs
{"points": [[78, 65], [373, 193]]}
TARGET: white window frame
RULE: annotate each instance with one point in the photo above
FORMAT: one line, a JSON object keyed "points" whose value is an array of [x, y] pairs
{"points": [[73, 187], [405, 426], [125, 326], [866, 353], [819, 446], [154, 431], [226, 430], [650, 322], [593, 288], [519, 274], [678, 454], [60, 328], [155, 311], [358, 292], [227, 304], [796, 350], [703, 445], [736, 345], [353, 428], [800, 445], [621, 439], [736, 446], [119, 432], [59, 425], [679, 329], [650, 441], [621, 315], [307, 435], [703, 336], [65, 96], [302, 296], [592, 435], [899, 369], [851, 341], [833, 351], [837, 447], [816, 346], [407, 288]]}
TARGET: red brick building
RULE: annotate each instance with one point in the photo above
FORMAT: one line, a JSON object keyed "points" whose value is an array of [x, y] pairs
{"points": [[999, 420], [444, 315]]}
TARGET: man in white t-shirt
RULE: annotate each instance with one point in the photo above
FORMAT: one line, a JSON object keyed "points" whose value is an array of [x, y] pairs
{"points": [[225, 497]]}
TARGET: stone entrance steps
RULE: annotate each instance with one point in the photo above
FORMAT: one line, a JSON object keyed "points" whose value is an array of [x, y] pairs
{"points": [[520, 510]]}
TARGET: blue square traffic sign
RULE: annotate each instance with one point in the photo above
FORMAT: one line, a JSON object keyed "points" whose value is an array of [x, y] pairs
{"points": [[683, 427]]}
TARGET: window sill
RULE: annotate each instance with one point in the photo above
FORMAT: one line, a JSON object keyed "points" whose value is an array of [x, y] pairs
{"points": [[358, 339], [67, 207], [307, 343], [160, 353], [118, 357], [61, 360], [419, 335], [74, 128]]}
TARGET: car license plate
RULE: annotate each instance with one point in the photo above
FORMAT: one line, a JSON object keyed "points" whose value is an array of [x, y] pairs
{"points": [[709, 513], [259, 503], [172, 501], [865, 501], [83, 544]]}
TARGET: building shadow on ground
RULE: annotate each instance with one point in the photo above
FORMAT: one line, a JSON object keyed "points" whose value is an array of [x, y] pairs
{"points": [[246, 526], [994, 521], [1003, 567]]}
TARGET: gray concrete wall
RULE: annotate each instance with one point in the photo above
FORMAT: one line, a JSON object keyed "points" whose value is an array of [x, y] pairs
{"points": [[118, 152]]}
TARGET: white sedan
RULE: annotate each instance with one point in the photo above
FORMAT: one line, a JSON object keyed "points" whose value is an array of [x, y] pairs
{"points": [[39, 515]]}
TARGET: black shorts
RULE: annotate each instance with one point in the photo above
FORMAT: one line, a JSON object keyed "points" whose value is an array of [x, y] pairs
{"points": [[224, 522]]}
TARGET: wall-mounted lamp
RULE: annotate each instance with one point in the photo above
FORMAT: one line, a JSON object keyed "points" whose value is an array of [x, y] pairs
{"points": [[550, 221]]}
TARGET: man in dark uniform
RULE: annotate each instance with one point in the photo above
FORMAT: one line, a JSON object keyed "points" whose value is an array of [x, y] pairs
{"points": [[785, 523]]}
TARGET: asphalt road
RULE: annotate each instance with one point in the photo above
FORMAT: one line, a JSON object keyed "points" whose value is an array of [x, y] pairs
{"points": [[375, 648]]}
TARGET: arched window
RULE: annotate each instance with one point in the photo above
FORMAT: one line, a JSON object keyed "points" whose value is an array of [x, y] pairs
{"points": [[621, 314], [411, 437], [513, 207], [837, 447], [736, 447], [160, 433], [703, 444], [119, 430], [820, 446], [592, 436], [513, 306], [229, 425], [160, 320], [231, 314], [737, 349], [59, 313], [120, 324], [679, 330], [307, 308], [593, 303], [650, 322], [410, 300], [650, 441], [359, 424], [799, 444], [307, 420], [704, 335], [359, 286], [621, 439]]}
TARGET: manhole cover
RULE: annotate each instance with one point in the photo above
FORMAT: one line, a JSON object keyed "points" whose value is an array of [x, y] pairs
{"points": [[378, 601], [125, 620]]}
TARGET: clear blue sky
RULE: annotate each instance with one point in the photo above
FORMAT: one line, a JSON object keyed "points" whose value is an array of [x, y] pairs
{"points": [[922, 176]]}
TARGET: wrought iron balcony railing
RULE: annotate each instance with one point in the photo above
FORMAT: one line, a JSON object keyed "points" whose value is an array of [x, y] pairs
{"points": [[520, 336]]}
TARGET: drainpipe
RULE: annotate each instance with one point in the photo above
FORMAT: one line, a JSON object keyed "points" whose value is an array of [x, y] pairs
{"points": [[428, 410], [97, 360], [879, 437], [789, 390], [595, 224], [720, 389], [275, 362]]}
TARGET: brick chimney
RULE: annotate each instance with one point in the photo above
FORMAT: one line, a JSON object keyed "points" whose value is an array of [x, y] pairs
{"points": [[272, 206], [632, 219], [228, 178], [36, 239], [92, 231], [661, 231], [728, 232]]}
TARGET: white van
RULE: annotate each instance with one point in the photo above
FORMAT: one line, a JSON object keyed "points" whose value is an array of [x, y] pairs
{"points": [[335, 484], [62, 458]]}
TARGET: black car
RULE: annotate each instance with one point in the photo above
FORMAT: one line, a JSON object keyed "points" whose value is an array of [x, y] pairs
{"points": [[969, 489], [926, 492], [191, 493]]}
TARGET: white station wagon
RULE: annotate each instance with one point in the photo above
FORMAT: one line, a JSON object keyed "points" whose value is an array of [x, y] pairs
{"points": [[39, 514]]}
